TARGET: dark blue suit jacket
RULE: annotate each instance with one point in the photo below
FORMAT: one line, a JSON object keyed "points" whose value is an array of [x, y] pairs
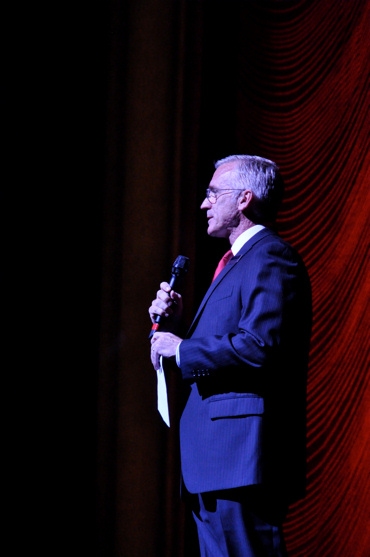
{"points": [[246, 357]]}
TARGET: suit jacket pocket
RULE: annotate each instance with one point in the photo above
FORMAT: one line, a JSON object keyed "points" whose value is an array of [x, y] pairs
{"points": [[235, 405]]}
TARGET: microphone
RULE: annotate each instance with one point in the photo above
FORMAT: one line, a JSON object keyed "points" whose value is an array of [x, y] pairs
{"points": [[179, 270]]}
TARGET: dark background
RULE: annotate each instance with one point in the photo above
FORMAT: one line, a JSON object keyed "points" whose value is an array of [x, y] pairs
{"points": [[114, 113]]}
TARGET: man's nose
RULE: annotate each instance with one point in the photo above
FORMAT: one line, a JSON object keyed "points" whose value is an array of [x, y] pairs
{"points": [[206, 204]]}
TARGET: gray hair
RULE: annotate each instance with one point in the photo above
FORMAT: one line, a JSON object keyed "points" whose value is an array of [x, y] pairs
{"points": [[262, 176]]}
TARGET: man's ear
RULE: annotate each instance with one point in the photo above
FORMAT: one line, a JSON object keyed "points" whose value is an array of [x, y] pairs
{"points": [[245, 200]]}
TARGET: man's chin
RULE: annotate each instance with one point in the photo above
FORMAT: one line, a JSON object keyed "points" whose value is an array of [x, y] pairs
{"points": [[216, 233]]}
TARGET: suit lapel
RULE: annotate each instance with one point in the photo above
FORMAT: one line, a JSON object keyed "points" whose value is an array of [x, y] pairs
{"points": [[229, 267]]}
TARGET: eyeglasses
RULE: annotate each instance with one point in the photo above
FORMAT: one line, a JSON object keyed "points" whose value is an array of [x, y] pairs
{"points": [[212, 196]]}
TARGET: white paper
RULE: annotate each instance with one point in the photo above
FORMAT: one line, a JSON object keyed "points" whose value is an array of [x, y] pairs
{"points": [[162, 401]]}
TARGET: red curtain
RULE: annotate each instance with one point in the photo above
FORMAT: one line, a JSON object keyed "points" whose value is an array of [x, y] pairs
{"points": [[302, 99], [309, 93]]}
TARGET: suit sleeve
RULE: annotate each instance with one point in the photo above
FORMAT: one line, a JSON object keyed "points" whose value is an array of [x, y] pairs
{"points": [[246, 328]]}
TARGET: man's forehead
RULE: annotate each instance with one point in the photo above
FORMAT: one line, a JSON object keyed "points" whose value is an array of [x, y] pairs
{"points": [[223, 173]]}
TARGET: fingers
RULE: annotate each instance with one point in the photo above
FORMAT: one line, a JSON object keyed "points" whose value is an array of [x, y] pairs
{"points": [[165, 287], [163, 344], [167, 292], [155, 352], [154, 356], [160, 307], [164, 303]]}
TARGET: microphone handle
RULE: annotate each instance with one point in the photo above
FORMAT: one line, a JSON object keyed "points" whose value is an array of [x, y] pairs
{"points": [[158, 319], [179, 269]]}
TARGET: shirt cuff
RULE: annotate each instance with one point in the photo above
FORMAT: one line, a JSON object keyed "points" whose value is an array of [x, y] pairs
{"points": [[178, 354]]}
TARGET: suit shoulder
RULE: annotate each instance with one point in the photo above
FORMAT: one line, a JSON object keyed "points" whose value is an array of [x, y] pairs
{"points": [[267, 244], [269, 239]]}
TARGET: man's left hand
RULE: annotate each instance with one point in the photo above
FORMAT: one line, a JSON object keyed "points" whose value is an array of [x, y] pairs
{"points": [[163, 344]]}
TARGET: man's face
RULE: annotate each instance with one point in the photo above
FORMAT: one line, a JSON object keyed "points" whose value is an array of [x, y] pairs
{"points": [[223, 215]]}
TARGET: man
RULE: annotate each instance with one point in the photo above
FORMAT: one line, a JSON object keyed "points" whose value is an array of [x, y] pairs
{"points": [[242, 432]]}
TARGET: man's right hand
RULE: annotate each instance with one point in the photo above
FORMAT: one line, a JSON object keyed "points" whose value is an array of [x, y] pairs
{"points": [[168, 303]]}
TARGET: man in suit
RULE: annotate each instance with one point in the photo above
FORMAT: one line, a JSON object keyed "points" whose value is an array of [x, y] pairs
{"points": [[242, 431]]}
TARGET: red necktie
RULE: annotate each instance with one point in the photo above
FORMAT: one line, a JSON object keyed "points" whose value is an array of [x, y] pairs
{"points": [[224, 261]]}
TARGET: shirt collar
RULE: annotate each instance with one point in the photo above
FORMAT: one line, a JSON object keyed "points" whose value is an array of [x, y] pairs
{"points": [[244, 237]]}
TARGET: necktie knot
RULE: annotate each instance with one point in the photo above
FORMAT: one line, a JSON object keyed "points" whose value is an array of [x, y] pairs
{"points": [[223, 262]]}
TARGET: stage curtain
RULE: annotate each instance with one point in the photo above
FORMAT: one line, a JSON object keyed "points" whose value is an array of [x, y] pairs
{"points": [[305, 94], [187, 82]]}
